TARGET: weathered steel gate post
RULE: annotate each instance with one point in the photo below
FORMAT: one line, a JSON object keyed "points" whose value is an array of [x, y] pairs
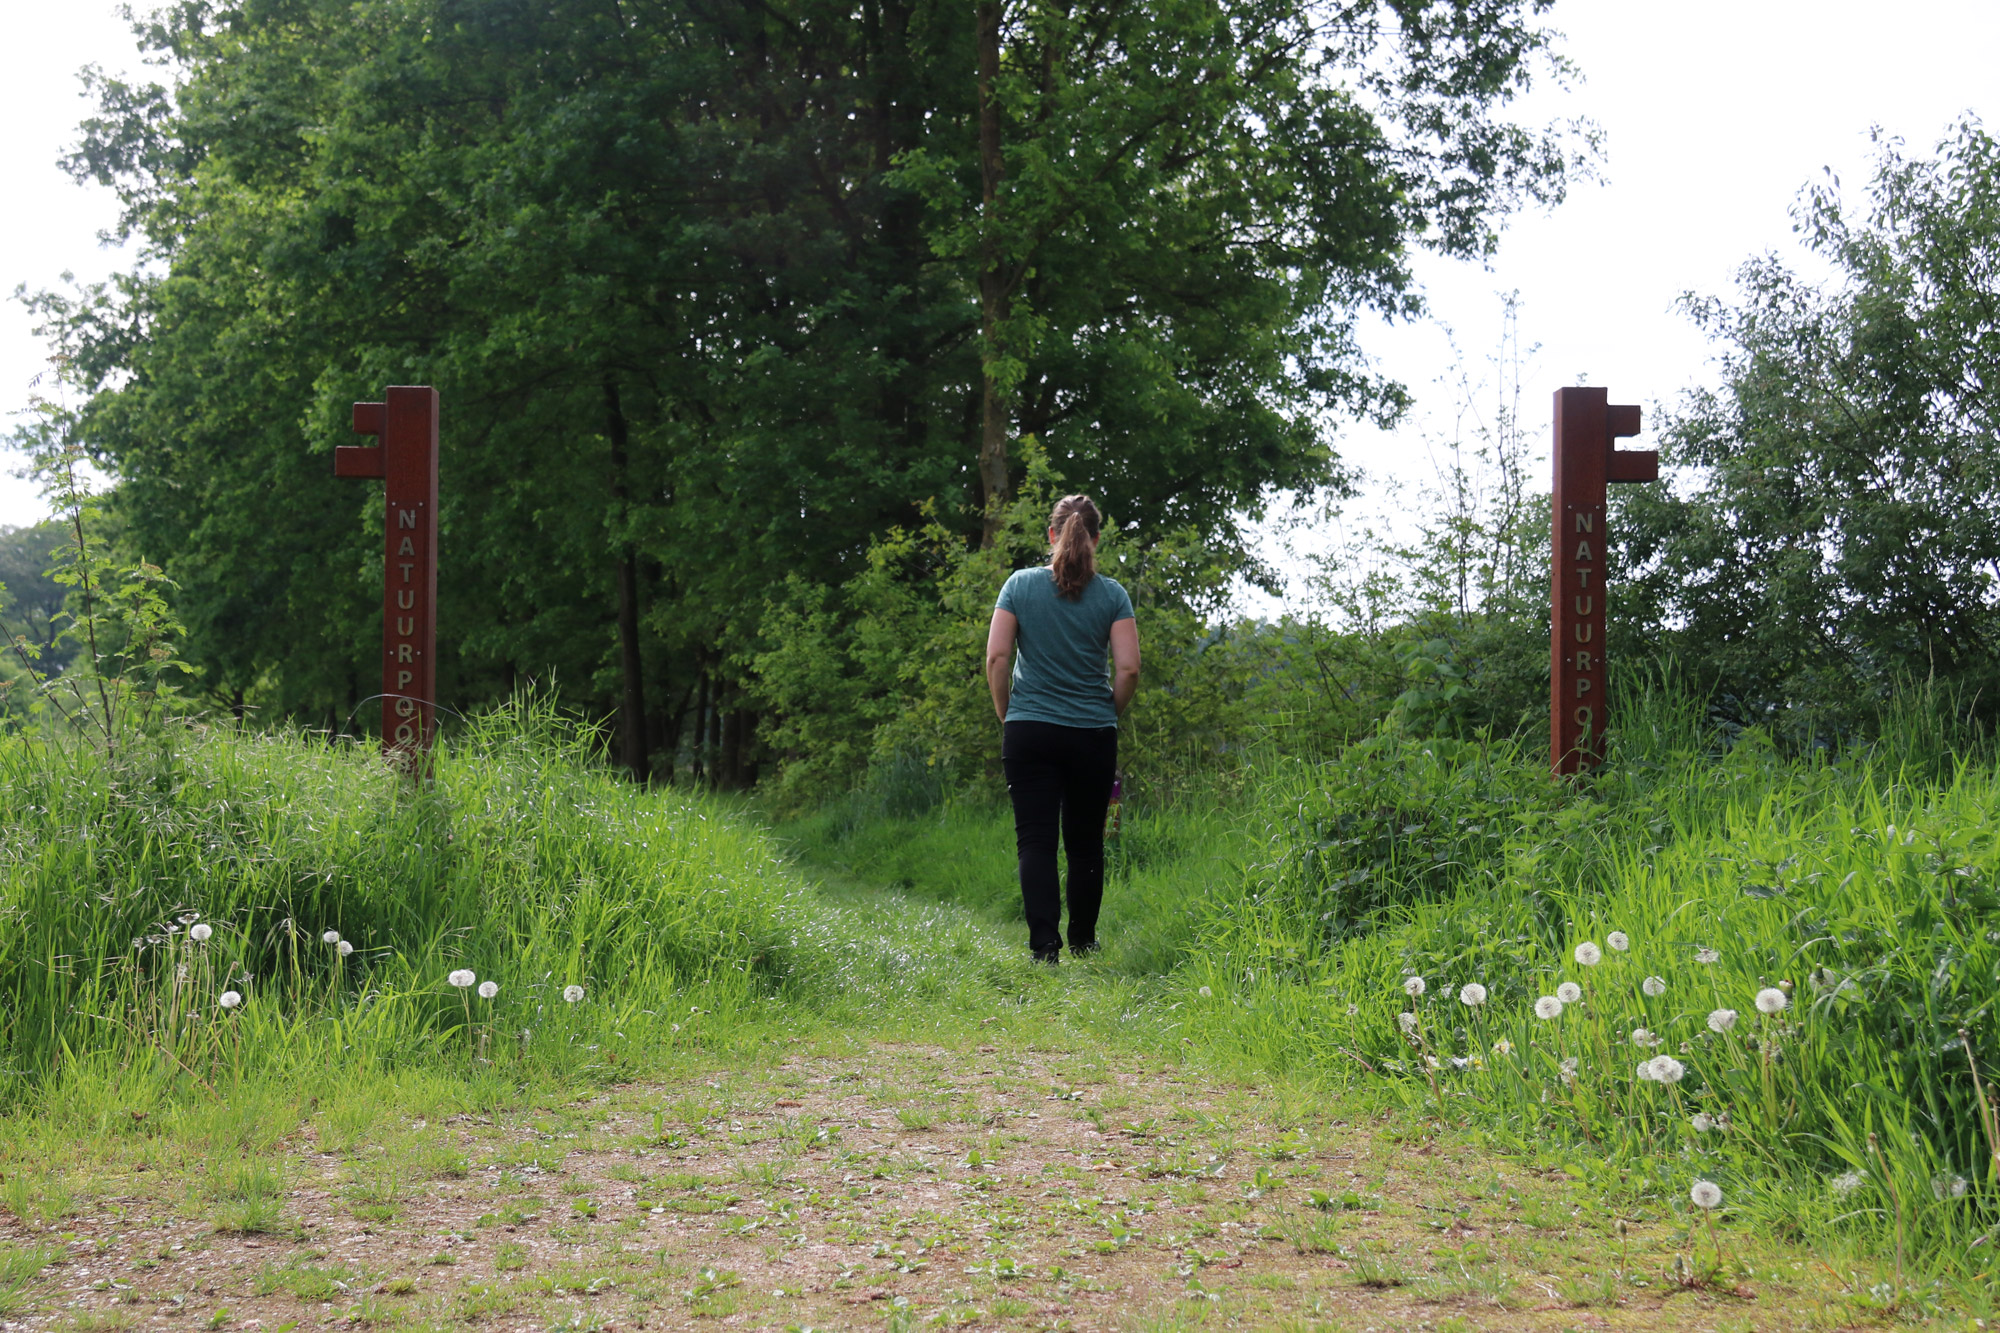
{"points": [[1587, 426], [407, 460]]}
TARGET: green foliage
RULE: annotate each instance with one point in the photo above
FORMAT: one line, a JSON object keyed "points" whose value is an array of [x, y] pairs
{"points": [[1861, 886], [1828, 534], [698, 290]]}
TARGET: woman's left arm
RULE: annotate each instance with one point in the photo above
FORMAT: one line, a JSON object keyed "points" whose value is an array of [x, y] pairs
{"points": [[1000, 658]]}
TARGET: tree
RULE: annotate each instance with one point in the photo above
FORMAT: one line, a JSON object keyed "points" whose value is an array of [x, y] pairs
{"points": [[701, 286], [1832, 530]]}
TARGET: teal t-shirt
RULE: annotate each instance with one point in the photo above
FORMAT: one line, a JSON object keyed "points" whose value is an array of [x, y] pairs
{"points": [[1062, 650]]}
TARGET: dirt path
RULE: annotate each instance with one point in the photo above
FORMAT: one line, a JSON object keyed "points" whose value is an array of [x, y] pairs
{"points": [[878, 1186]]}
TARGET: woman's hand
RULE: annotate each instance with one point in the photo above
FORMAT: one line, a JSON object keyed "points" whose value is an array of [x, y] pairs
{"points": [[1000, 658]]}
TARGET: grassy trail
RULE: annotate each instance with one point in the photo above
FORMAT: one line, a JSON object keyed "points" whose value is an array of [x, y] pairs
{"points": [[1034, 1157]]}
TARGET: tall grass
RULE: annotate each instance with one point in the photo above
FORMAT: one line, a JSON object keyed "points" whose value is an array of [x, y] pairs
{"points": [[1857, 892]]}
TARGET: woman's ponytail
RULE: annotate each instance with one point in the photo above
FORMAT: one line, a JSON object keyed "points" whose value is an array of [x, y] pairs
{"points": [[1074, 562]]}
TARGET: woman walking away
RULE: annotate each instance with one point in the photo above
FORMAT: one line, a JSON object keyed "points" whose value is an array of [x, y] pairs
{"points": [[1060, 720]]}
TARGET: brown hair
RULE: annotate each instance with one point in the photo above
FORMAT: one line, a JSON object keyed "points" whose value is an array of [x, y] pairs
{"points": [[1074, 561]]}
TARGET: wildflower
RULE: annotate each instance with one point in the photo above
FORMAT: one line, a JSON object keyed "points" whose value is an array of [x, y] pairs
{"points": [[462, 978], [1721, 1020], [1706, 1194], [1848, 1181], [200, 931], [1644, 1073], [1472, 994], [1949, 1187], [1645, 1038], [1569, 992], [1460, 1062], [229, 999], [343, 948], [1413, 986], [1706, 955], [1616, 939], [1654, 986], [1503, 1047], [1770, 1000], [1703, 1122], [1568, 1070], [1352, 1009], [1666, 1069], [1204, 992], [488, 989], [331, 937], [1408, 1021], [1548, 1007], [1589, 954], [571, 994]]}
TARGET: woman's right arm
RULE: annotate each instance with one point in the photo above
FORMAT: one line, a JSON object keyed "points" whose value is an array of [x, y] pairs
{"points": [[1124, 662]]}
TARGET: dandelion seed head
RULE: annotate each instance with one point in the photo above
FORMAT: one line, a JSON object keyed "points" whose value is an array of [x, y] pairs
{"points": [[1654, 986], [1645, 1038], [1413, 986], [1407, 1020], [1617, 940], [229, 999], [1569, 992], [1204, 992], [1949, 1187], [331, 937], [1644, 1073], [571, 994], [1770, 1000], [1848, 1181], [462, 977], [1703, 1122], [343, 948], [1503, 1047], [1472, 994], [1668, 1070], [488, 989], [200, 931], [1706, 1194], [1721, 1020], [1706, 955], [1548, 1007], [1589, 954]]}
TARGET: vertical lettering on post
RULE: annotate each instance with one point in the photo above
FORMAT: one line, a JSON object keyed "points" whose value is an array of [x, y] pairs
{"points": [[406, 421], [1587, 426]]}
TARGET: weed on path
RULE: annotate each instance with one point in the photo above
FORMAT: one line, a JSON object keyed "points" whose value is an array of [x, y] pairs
{"points": [[853, 1185]]}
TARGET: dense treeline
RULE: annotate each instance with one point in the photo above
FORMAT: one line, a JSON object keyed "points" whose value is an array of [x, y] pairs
{"points": [[720, 295]]}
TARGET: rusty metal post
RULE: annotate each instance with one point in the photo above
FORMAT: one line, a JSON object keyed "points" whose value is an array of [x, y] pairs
{"points": [[407, 460], [1586, 458]]}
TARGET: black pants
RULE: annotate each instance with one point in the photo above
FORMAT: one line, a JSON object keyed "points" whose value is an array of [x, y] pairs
{"points": [[1060, 777]]}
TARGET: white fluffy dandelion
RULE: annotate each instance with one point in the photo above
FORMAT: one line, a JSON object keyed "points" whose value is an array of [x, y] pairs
{"points": [[1644, 1073], [1721, 1020], [1548, 1007], [331, 937], [1703, 1122], [462, 977], [1589, 954], [1645, 1038], [1706, 955], [1848, 1181], [1654, 986], [343, 948], [200, 931], [1503, 1047], [1668, 1070], [571, 994], [1472, 995], [1413, 986], [1706, 1194], [1568, 1070], [1408, 1021], [488, 989], [229, 999], [1949, 1187], [1569, 992], [1617, 940], [1770, 1000]]}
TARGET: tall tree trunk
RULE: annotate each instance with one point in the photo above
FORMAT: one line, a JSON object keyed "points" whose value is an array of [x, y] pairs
{"points": [[993, 487], [632, 703]]}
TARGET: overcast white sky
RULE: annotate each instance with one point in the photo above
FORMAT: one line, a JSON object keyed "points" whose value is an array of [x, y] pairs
{"points": [[1715, 112]]}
